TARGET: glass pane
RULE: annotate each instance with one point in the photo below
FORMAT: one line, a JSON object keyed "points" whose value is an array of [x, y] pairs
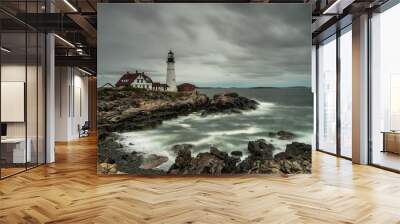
{"points": [[346, 94], [41, 98], [13, 86], [327, 96], [31, 98], [385, 92]]}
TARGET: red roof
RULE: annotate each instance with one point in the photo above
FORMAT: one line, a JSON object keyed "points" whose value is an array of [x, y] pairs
{"points": [[186, 87], [128, 78]]}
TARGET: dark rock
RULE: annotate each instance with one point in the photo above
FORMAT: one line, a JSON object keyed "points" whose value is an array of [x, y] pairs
{"points": [[285, 135], [269, 167], [229, 103], [237, 154], [177, 148], [281, 156], [206, 163], [110, 161], [245, 166], [214, 162], [184, 156], [221, 155], [291, 166], [260, 149], [230, 164], [299, 150], [183, 159], [295, 159]]}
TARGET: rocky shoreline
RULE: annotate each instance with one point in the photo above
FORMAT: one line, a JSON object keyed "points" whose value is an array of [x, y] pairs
{"points": [[127, 109], [295, 159], [261, 159]]}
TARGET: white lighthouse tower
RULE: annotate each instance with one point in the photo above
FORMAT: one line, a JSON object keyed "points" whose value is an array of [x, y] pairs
{"points": [[171, 82]]}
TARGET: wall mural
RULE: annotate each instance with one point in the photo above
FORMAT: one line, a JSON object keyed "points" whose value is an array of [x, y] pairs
{"points": [[204, 89]]}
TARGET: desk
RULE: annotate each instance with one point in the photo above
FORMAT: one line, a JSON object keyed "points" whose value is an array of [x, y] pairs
{"points": [[13, 150], [391, 141]]}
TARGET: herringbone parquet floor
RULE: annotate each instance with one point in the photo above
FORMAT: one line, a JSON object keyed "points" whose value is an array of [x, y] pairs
{"points": [[69, 191]]}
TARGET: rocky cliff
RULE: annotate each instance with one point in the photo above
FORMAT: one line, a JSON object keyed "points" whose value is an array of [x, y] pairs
{"points": [[129, 109]]}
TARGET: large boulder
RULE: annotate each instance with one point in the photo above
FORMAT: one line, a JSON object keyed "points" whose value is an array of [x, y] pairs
{"points": [[229, 161], [295, 159], [207, 163], [246, 166], [183, 155], [260, 149], [183, 159], [214, 162], [229, 103], [216, 152], [237, 154], [298, 150], [295, 150]]}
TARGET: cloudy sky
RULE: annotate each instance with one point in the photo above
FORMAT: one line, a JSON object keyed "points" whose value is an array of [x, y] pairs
{"points": [[215, 45]]}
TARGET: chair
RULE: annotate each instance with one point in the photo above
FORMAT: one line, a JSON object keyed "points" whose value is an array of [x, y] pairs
{"points": [[84, 130]]}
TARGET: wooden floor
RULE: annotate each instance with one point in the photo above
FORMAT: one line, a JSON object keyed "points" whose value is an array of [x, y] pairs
{"points": [[5, 172], [69, 191]]}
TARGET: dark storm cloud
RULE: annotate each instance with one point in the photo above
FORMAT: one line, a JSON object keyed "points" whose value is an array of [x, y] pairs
{"points": [[215, 44]]}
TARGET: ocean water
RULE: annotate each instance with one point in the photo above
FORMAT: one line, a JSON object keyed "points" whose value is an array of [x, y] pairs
{"points": [[289, 109]]}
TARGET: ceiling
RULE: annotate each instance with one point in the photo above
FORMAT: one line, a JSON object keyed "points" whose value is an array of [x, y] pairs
{"points": [[75, 21]]}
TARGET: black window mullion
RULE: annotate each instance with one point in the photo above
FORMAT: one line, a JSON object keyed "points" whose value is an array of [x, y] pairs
{"points": [[369, 91], [317, 96], [37, 90], [338, 80], [26, 86]]}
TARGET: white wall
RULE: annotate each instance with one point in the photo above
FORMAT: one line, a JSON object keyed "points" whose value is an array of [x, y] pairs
{"points": [[71, 102]]}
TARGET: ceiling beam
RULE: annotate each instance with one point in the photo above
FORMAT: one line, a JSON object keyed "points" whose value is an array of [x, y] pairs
{"points": [[77, 61], [86, 27]]}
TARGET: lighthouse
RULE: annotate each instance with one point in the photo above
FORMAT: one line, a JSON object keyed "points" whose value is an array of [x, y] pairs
{"points": [[171, 82]]}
